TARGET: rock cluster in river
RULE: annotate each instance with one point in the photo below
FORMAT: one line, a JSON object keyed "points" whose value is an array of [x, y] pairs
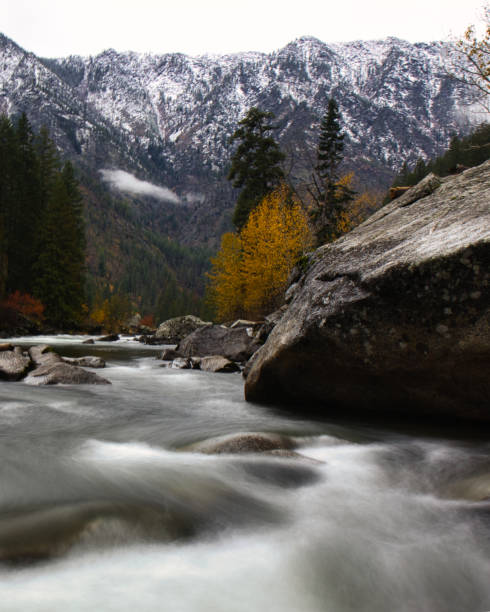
{"points": [[394, 316], [40, 365], [216, 348]]}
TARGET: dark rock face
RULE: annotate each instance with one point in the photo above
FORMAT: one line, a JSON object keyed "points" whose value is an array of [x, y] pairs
{"points": [[236, 344], [176, 329], [395, 316]]}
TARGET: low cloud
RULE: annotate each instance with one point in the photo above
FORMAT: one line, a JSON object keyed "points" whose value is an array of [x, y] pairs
{"points": [[123, 181]]}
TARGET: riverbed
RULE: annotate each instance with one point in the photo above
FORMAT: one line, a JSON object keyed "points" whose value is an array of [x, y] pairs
{"points": [[105, 504]]}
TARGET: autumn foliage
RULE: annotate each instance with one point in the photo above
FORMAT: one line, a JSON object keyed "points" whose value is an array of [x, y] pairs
{"points": [[250, 272], [26, 305]]}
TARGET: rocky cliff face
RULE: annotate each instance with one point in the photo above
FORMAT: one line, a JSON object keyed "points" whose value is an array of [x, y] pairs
{"points": [[395, 316], [168, 118]]}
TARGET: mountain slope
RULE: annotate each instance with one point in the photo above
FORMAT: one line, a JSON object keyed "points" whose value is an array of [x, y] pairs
{"points": [[168, 118]]}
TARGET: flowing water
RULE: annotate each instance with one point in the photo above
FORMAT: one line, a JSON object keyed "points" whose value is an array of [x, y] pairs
{"points": [[104, 507]]}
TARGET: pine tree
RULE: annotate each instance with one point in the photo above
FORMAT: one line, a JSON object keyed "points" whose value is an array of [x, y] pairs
{"points": [[255, 164], [24, 210], [329, 194], [60, 265]]}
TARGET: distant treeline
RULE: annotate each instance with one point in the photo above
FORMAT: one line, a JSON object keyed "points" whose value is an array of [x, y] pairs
{"points": [[42, 242], [469, 151]]}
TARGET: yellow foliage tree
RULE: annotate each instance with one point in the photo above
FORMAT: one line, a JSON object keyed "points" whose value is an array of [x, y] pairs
{"points": [[226, 282], [273, 239], [250, 272]]}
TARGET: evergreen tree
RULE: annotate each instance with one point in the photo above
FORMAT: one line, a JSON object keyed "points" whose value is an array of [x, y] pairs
{"points": [[330, 195], [60, 265], [255, 164], [24, 212]]}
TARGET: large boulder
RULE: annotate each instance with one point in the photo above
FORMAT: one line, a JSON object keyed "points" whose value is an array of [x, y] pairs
{"points": [[394, 316], [236, 344], [174, 330]]}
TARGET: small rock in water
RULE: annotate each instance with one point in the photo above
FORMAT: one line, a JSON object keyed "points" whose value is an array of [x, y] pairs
{"points": [[109, 338], [86, 362], [168, 355], [13, 364], [89, 341], [218, 363], [181, 363]]}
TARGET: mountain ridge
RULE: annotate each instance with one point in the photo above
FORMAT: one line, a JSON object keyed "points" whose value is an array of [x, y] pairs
{"points": [[168, 118]]}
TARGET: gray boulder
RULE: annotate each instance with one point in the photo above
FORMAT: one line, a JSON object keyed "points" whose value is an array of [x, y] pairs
{"points": [[64, 374], [217, 363], [236, 344], [174, 330], [14, 365], [394, 316], [51, 370]]}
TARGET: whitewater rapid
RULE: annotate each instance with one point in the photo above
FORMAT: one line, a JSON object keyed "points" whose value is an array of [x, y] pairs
{"points": [[104, 507]]}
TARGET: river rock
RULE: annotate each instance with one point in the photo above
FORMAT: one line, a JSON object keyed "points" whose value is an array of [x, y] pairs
{"points": [[109, 338], [168, 355], [6, 346], [88, 361], [89, 341], [236, 344], [394, 316], [174, 330], [64, 374], [218, 363], [246, 442], [181, 363], [14, 365]]}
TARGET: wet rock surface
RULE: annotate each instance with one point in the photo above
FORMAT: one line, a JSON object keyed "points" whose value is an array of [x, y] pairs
{"points": [[393, 317]]}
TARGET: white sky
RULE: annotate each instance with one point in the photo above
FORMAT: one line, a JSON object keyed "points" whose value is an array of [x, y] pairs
{"points": [[54, 28]]}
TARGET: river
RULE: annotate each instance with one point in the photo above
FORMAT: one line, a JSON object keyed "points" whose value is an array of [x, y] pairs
{"points": [[117, 513]]}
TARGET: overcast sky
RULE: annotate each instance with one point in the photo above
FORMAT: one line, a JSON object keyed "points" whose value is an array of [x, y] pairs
{"points": [[54, 28]]}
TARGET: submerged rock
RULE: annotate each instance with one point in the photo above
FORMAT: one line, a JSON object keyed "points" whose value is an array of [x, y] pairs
{"points": [[395, 315], [89, 341], [246, 442]]}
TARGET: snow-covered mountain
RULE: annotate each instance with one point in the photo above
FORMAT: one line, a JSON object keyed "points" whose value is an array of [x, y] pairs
{"points": [[167, 118]]}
